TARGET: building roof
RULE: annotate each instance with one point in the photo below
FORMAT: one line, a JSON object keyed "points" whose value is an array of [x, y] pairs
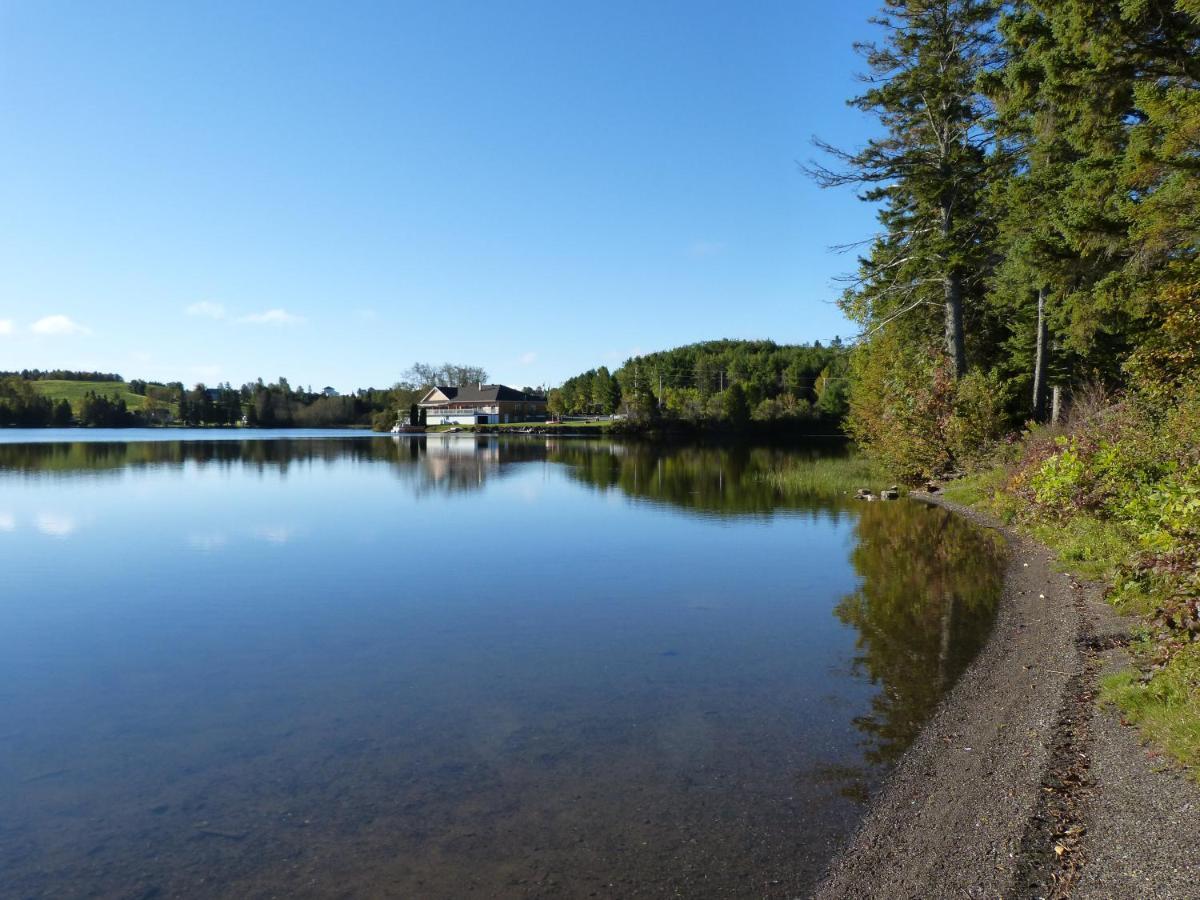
{"points": [[481, 393]]}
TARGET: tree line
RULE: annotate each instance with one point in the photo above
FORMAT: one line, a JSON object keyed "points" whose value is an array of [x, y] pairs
{"points": [[255, 404], [61, 375], [724, 382], [1039, 214], [22, 406]]}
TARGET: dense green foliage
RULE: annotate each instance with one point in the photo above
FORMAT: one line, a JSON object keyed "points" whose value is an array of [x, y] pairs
{"points": [[1116, 491], [1062, 140], [729, 383], [1039, 193]]}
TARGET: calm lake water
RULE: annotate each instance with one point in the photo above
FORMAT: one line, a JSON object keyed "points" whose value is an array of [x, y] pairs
{"points": [[446, 667]]}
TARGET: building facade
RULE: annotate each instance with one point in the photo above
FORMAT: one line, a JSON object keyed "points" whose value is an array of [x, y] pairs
{"points": [[483, 404]]}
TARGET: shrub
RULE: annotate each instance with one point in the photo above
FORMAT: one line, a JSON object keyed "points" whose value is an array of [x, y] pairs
{"points": [[979, 419], [900, 401], [908, 411]]}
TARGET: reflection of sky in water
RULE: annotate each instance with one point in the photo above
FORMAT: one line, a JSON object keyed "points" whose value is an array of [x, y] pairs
{"points": [[448, 658]]}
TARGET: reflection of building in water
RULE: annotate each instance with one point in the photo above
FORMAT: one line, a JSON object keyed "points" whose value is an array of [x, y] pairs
{"points": [[460, 463]]}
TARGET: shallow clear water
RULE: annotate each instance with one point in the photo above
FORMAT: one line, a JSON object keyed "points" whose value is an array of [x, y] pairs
{"points": [[452, 667]]}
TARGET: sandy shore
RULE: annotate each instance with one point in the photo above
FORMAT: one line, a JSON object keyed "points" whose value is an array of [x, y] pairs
{"points": [[998, 797]]}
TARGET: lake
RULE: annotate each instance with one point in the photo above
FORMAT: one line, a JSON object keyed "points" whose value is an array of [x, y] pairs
{"points": [[351, 665]]}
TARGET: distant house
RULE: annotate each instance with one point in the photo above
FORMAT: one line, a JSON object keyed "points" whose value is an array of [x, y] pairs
{"points": [[482, 404], [327, 391]]}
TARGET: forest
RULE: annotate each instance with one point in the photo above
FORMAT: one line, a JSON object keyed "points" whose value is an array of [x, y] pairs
{"points": [[1029, 305], [1036, 175], [723, 384]]}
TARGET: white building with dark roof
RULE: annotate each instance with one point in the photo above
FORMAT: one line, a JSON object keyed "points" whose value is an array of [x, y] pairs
{"points": [[483, 404]]}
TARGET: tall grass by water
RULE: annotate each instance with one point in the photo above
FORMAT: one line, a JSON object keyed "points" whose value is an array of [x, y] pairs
{"points": [[829, 476]]}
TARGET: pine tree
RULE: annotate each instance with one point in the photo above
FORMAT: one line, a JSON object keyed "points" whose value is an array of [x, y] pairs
{"points": [[928, 171], [1080, 92], [1038, 263]]}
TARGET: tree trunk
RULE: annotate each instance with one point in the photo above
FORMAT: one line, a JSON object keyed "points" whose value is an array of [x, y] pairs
{"points": [[1056, 403], [1039, 360], [955, 344]]}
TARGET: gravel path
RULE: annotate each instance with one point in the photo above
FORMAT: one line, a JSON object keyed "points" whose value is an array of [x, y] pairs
{"points": [[1141, 816], [1020, 786]]}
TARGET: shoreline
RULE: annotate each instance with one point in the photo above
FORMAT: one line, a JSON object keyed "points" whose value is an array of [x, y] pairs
{"points": [[1021, 785], [963, 813]]}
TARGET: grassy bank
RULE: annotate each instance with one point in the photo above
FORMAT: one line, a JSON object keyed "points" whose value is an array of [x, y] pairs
{"points": [[827, 476], [1116, 493], [74, 392]]}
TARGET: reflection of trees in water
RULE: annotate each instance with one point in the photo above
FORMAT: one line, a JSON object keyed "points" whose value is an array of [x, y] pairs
{"points": [[724, 480], [710, 479], [930, 581], [432, 464], [98, 457], [930, 584]]}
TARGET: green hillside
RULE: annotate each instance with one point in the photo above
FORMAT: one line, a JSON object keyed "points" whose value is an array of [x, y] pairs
{"points": [[74, 391]]}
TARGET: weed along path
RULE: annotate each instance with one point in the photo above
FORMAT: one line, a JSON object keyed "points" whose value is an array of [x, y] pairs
{"points": [[1020, 785]]}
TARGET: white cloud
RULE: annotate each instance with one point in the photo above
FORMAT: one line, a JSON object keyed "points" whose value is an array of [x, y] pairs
{"points": [[6, 326], [206, 310], [701, 249], [528, 359], [8, 522], [55, 524], [272, 317], [58, 325]]}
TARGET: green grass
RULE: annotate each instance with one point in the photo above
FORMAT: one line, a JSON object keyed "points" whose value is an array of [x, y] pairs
{"points": [[982, 489], [1167, 708], [1092, 548], [827, 476], [74, 391]]}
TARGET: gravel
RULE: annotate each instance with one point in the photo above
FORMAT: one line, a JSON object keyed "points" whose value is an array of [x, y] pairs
{"points": [[1020, 786], [1141, 817]]}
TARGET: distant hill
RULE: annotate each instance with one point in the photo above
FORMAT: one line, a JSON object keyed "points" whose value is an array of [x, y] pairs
{"points": [[73, 392], [732, 382]]}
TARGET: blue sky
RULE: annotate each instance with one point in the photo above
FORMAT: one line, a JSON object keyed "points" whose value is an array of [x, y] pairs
{"points": [[328, 192]]}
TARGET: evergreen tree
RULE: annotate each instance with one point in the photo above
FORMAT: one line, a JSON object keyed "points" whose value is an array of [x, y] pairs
{"points": [[1085, 96], [62, 415], [928, 171]]}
